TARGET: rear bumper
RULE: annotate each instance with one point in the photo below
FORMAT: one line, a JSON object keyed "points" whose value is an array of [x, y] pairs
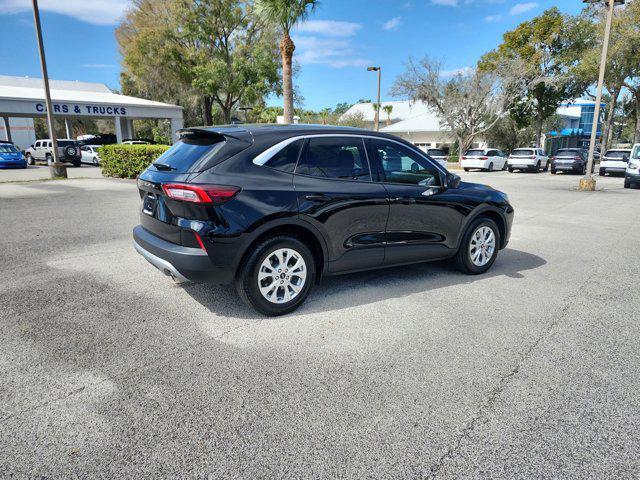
{"points": [[632, 178], [183, 264]]}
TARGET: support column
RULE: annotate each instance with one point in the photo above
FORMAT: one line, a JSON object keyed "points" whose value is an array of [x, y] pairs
{"points": [[176, 124], [68, 128], [128, 128], [7, 128], [117, 121]]}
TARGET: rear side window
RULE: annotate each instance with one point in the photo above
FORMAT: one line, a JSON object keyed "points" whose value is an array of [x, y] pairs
{"points": [[285, 160], [335, 157]]}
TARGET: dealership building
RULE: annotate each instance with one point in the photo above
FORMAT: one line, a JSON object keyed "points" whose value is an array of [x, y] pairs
{"points": [[22, 100]]}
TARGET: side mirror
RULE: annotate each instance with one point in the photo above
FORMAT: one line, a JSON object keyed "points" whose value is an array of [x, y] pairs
{"points": [[453, 180]]}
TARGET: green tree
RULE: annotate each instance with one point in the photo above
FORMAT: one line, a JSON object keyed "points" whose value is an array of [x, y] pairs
{"points": [[285, 14], [388, 109], [540, 46], [342, 108], [214, 50]]}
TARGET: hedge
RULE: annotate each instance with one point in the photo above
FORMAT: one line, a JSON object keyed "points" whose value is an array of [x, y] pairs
{"points": [[128, 161]]}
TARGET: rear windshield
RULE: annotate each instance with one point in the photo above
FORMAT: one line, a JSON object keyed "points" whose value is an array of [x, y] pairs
{"points": [[66, 143], [184, 153], [8, 149], [567, 153], [437, 153], [520, 152], [616, 153], [474, 153]]}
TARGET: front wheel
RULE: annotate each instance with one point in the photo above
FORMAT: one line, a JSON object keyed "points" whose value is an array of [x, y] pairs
{"points": [[95, 162], [479, 247], [30, 160], [277, 277]]}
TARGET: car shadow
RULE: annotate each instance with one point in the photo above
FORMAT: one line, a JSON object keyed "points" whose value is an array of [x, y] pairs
{"points": [[350, 290]]}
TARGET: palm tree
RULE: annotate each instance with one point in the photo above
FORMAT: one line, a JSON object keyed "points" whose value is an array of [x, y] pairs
{"points": [[286, 14], [388, 109]]}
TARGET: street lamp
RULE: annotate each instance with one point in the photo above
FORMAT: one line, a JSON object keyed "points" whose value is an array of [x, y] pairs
{"points": [[56, 169], [588, 183], [245, 110], [377, 117]]}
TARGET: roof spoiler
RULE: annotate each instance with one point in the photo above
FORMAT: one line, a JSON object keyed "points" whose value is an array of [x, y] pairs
{"points": [[219, 135]]}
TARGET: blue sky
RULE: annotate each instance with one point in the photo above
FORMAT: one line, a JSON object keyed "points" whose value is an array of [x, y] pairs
{"points": [[333, 48]]}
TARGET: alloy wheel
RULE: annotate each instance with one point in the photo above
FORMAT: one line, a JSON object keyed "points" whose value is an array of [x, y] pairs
{"points": [[282, 275], [482, 246]]}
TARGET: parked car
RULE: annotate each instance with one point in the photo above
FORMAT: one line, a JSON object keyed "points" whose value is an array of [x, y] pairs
{"points": [[90, 154], [614, 161], [438, 155], [272, 210], [487, 159], [136, 142], [11, 157], [529, 159], [569, 160], [42, 150], [632, 173]]}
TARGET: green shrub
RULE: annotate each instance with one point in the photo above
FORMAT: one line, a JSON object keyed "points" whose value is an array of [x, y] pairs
{"points": [[128, 161]]}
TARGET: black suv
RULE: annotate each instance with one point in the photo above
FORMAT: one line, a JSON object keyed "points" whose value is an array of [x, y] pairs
{"points": [[274, 208]]}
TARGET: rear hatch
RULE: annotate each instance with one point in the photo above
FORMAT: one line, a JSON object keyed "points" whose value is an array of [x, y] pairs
{"points": [[197, 150]]}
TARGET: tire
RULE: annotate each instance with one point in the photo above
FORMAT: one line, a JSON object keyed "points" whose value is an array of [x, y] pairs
{"points": [[463, 259], [627, 183], [48, 158], [490, 169], [546, 167], [537, 167], [30, 160], [505, 166], [553, 171], [602, 172], [510, 170], [247, 281], [466, 169], [95, 162]]}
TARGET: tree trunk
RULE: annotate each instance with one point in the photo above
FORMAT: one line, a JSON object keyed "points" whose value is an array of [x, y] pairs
{"points": [[636, 136], [608, 123], [207, 116], [539, 132], [287, 48]]}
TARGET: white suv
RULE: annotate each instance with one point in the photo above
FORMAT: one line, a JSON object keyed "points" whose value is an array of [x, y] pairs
{"points": [[438, 155], [614, 161], [529, 159], [632, 174], [487, 159]]}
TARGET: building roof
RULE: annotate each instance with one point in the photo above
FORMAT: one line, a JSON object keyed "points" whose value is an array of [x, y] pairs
{"points": [[26, 88], [425, 122], [402, 110]]}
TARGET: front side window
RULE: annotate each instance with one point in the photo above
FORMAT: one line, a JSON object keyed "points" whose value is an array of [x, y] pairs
{"points": [[402, 165], [335, 157]]}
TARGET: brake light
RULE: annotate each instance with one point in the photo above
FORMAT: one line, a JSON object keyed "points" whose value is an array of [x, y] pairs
{"points": [[202, 194], [532, 157], [577, 158], [464, 158], [484, 158], [553, 158]]}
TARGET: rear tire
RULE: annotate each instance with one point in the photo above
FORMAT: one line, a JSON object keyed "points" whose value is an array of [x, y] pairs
{"points": [[546, 167], [627, 183], [537, 167], [464, 260], [263, 265], [48, 158], [553, 171], [602, 172], [510, 170], [466, 169], [490, 169], [30, 160]]}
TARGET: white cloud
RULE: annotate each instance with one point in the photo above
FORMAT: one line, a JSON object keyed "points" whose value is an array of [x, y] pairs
{"points": [[446, 3], [457, 71], [493, 18], [392, 24], [99, 12], [330, 28], [520, 8], [337, 53]]}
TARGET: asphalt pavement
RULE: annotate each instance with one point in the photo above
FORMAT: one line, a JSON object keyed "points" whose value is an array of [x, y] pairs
{"points": [[109, 370]]}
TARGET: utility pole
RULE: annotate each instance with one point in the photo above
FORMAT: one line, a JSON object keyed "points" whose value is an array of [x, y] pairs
{"points": [[56, 169], [377, 115], [588, 183]]}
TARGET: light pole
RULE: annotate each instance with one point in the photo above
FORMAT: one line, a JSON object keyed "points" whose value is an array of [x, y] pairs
{"points": [[56, 169], [588, 183], [377, 117]]}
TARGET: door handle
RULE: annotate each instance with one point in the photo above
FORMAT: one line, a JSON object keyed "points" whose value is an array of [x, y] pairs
{"points": [[318, 197], [403, 200]]}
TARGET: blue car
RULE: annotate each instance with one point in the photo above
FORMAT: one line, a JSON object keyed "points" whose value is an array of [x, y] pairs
{"points": [[10, 156]]}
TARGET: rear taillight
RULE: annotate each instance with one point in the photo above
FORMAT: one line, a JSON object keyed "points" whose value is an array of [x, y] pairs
{"points": [[577, 158], [464, 158], [532, 157], [553, 158], [202, 194], [484, 158]]}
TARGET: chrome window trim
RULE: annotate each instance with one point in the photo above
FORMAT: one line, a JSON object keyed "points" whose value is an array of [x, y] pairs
{"points": [[262, 158]]}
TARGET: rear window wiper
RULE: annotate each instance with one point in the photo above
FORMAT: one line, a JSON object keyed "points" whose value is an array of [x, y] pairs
{"points": [[163, 166]]}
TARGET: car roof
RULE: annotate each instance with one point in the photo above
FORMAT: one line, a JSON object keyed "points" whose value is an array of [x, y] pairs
{"points": [[618, 150]]}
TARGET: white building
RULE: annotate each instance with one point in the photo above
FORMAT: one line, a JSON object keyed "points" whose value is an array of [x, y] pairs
{"points": [[413, 121], [23, 97]]}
